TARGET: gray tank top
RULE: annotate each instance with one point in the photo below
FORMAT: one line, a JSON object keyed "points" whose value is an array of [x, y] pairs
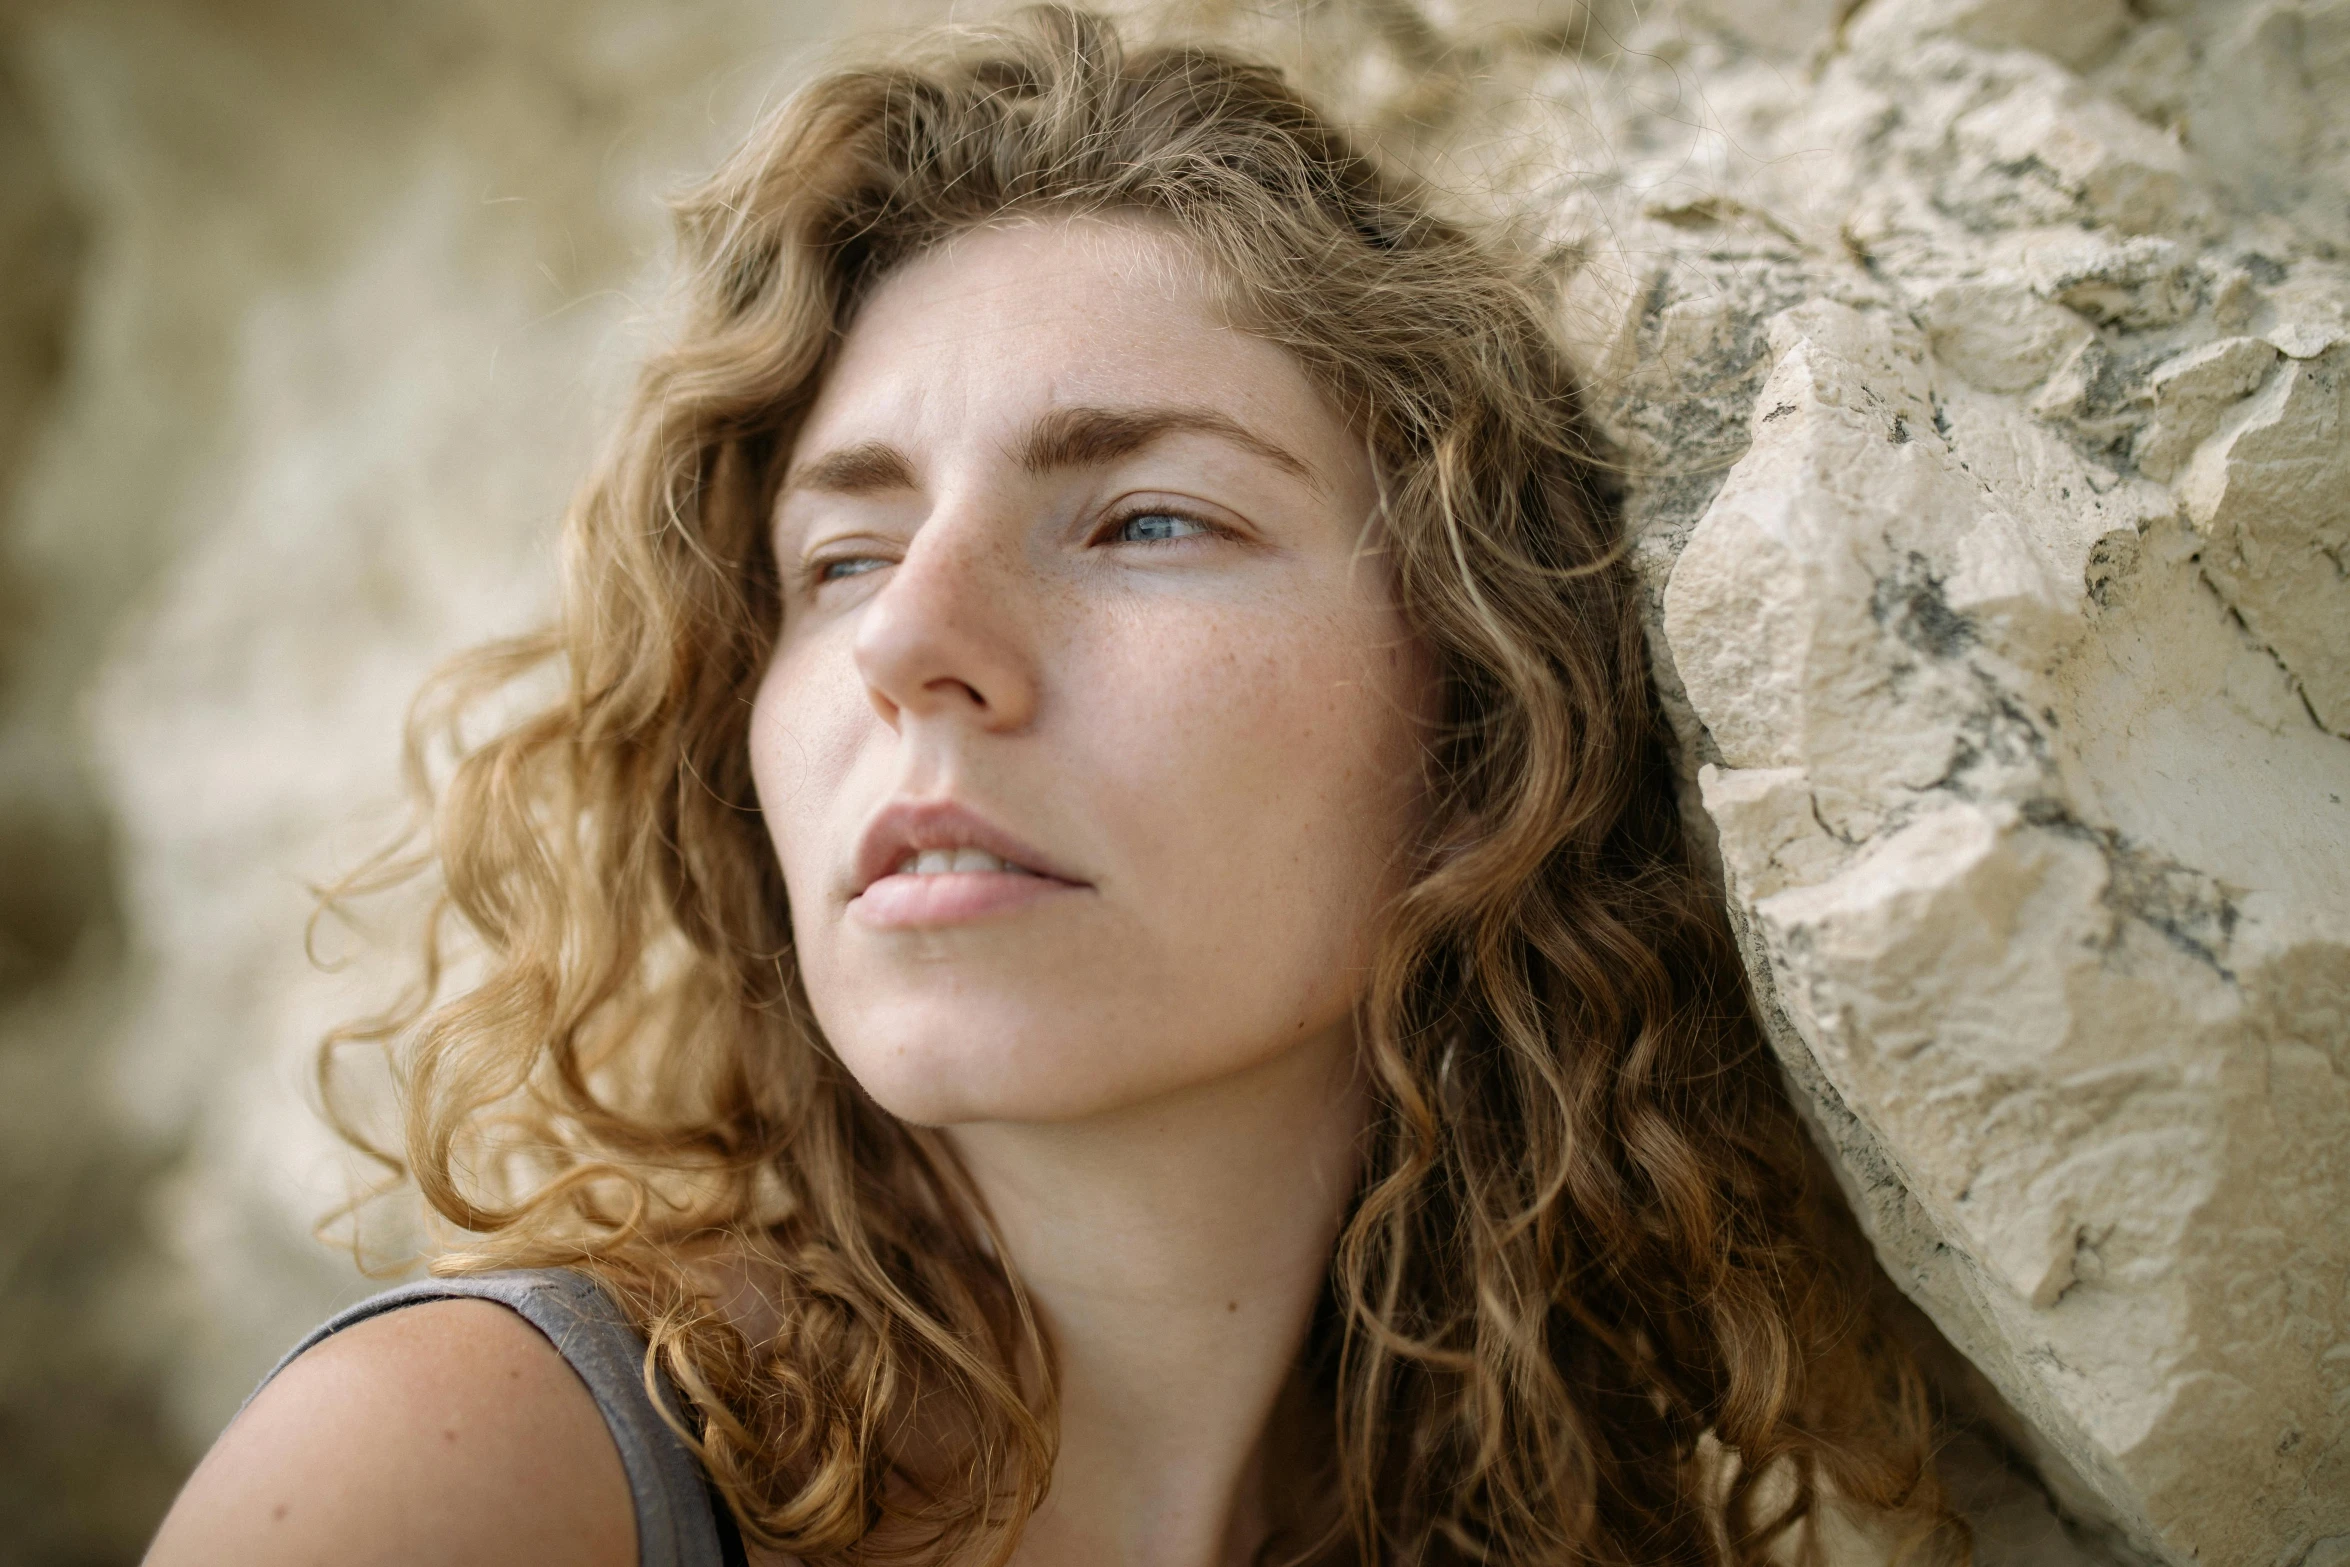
{"points": [[679, 1521]]}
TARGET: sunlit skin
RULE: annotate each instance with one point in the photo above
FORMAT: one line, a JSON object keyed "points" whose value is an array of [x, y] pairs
{"points": [[1067, 551], [1078, 573]]}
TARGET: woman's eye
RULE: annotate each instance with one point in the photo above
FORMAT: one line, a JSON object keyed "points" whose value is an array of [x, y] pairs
{"points": [[1155, 527], [849, 566]]}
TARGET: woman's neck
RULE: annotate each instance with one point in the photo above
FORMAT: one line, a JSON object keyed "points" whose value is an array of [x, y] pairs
{"points": [[1174, 1253]]}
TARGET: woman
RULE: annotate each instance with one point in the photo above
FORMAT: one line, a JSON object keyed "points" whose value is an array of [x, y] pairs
{"points": [[1094, 963]]}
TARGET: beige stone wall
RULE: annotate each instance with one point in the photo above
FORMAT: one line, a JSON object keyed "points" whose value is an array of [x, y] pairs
{"points": [[2009, 656], [1980, 367]]}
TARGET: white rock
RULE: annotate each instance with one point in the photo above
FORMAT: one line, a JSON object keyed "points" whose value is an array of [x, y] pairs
{"points": [[2251, 116], [2073, 32], [2138, 282], [1786, 27], [2061, 1034], [2051, 154], [2271, 494], [2153, 73], [1998, 333], [1488, 22], [2190, 392], [2016, 756]]}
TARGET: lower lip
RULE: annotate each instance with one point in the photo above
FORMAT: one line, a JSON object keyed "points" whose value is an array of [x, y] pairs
{"points": [[950, 898]]}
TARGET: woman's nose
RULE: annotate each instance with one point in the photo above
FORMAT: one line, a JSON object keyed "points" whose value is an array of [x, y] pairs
{"points": [[947, 635]]}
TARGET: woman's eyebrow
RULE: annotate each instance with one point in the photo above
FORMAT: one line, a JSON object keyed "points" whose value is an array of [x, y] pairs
{"points": [[1081, 437], [1084, 437], [867, 468]]}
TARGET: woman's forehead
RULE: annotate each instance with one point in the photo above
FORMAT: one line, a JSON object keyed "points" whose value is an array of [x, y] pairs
{"points": [[1004, 323]]}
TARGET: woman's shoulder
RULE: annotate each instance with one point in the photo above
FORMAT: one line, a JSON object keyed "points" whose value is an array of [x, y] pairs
{"points": [[449, 1429]]}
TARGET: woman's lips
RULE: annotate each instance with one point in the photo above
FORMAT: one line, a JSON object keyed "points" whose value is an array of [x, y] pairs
{"points": [[900, 901], [927, 863]]}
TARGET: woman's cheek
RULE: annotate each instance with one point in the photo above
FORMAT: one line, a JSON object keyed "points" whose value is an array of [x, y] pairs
{"points": [[801, 746], [1282, 761]]}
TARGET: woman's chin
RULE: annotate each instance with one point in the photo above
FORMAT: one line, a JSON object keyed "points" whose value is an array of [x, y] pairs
{"points": [[964, 1088], [966, 1075]]}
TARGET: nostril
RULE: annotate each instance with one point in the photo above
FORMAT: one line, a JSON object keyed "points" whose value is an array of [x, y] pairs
{"points": [[949, 687]]}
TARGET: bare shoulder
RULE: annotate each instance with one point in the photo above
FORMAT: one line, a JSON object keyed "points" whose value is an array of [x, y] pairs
{"points": [[450, 1432]]}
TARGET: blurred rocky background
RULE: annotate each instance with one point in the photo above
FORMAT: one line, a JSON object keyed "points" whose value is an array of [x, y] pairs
{"points": [[1980, 370], [312, 310]]}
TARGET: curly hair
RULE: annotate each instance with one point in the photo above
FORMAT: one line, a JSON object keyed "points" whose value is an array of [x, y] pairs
{"points": [[1590, 1303]]}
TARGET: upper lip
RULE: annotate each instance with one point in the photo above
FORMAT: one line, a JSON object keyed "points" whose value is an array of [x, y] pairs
{"points": [[906, 827]]}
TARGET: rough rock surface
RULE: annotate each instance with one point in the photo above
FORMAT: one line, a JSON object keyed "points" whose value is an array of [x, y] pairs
{"points": [[1979, 368]]}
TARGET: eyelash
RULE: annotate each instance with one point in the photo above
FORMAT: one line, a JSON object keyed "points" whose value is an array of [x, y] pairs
{"points": [[842, 567], [1118, 522], [822, 571]]}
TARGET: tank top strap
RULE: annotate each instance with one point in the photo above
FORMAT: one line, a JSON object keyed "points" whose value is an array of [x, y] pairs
{"points": [[679, 1522]]}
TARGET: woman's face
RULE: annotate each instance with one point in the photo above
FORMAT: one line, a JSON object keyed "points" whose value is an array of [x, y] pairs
{"points": [[1090, 747]]}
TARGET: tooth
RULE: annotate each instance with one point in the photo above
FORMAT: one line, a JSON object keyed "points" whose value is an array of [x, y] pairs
{"points": [[906, 865], [934, 862], [976, 860]]}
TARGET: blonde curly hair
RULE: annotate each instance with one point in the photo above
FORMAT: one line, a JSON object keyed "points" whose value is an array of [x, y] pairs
{"points": [[1589, 1305]]}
